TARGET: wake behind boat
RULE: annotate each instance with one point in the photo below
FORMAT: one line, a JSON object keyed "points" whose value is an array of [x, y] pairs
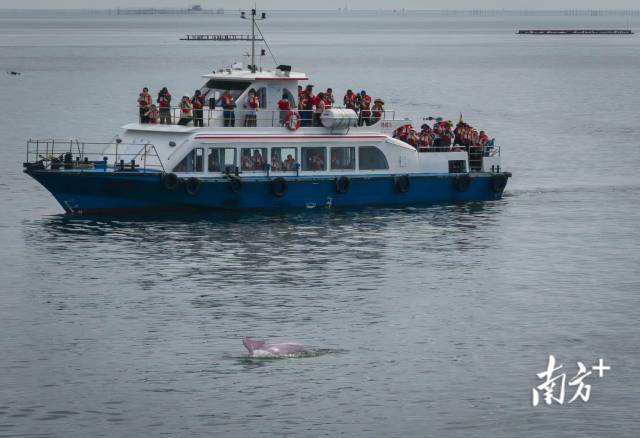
{"points": [[246, 151]]}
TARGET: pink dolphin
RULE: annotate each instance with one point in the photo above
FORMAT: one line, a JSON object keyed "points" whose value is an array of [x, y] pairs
{"points": [[262, 349]]}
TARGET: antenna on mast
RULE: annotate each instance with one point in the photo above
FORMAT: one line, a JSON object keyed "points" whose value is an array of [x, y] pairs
{"points": [[263, 16]]}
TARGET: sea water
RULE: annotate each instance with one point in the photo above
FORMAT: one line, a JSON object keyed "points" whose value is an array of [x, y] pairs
{"points": [[435, 321]]}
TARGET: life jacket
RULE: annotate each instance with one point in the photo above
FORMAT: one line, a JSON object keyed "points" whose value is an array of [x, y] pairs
{"points": [[254, 103], [227, 102], [303, 101], [198, 102], [185, 108], [292, 121], [145, 101], [164, 100], [350, 101], [283, 105], [483, 139], [412, 138], [365, 103], [474, 138], [425, 139], [328, 102]]}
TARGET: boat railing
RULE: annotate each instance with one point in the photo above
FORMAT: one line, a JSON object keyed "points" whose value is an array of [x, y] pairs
{"points": [[56, 154], [264, 117]]}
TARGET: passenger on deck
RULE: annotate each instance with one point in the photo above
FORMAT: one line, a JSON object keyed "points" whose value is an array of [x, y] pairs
{"points": [[377, 110], [144, 102], [306, 113], [349, 100], [164, 102], [284, 106], [228, 106], [153, 114], [319, 109], [364, 103], [483, 139], [289, 163], [425, 138], [251, 104], [198, 105], [328, 99], [186, 111], [258, 160]]}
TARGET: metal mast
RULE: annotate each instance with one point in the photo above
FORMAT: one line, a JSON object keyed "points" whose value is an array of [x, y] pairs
{"points": [[263, 16]]}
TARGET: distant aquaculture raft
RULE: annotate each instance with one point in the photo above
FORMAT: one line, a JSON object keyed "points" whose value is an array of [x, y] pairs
{"points": [[575, 32]]}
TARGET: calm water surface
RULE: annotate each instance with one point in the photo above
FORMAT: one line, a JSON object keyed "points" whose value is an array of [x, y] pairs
{"points": [[432, 321]]}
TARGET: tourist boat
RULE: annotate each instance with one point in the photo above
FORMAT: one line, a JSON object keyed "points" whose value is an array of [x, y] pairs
{"points": [[171, 167]]}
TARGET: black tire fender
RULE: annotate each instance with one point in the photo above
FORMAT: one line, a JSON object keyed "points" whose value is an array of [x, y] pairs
{"points": [[402, 183], [170, 181], [192, 185], [279, 187], [342, 184]]}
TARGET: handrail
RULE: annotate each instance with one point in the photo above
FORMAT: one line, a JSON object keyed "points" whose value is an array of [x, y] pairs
{"points": [[72, 154], [212, 117]]}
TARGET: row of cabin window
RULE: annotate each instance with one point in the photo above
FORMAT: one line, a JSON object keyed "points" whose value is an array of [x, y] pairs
{"points": [[284, 159]]}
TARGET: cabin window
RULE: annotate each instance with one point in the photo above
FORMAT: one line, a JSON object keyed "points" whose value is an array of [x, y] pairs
{"points": [[371, 158], [457, 166], [221, 159], [343, 158], [253, 159], [193, 162], [313, 158], [262, 97], [284, 159], [236, 88]]}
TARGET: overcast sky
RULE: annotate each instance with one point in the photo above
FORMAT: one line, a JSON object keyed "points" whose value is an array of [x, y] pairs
{"points": [[327, 4]]}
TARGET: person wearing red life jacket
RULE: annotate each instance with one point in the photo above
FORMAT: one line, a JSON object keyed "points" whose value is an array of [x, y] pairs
{"points": [[377, 110], [153, 114], [228, 106], [284, 106], [425, 140], [198, 108], [144, 102], [252, 105], [412, 138], [349, 100], [364, 102], [164, 103], [328, 99], [306, 101], [319, 109], [186, 111], [483, 139]]}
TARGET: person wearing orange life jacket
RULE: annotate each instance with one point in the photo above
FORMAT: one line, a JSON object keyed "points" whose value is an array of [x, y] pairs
{"points": [[164, 103], [377, 110], [349, 100], [364, 102], [252, 103], [328, 99], [425, 139], [284, 106], [198, 105], [153, 114], [483, 139], [144, 102], [319, 109], [186, 111], [228, 106], [306, 102]]}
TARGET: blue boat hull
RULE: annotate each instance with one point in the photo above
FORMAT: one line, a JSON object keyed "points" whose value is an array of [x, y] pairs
{"points": [[100, 192]]}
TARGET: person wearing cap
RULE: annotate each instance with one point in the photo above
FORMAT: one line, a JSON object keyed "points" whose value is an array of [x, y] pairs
{"points": [[198, 105], [144, 102], [364, 103], [377, 110], [186, 111]]}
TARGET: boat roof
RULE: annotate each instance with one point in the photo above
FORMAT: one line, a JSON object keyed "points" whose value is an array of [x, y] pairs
{"points": [[243, 74]]}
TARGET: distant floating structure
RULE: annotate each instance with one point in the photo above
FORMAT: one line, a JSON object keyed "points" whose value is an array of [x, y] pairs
{"points": [[220, 37], [195, 9], [575, 32]]}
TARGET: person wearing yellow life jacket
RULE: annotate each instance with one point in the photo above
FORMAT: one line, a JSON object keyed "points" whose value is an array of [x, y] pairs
{"points": [[186, 111], [377, 110], [228, 106], [252, 104], [144, 103]]}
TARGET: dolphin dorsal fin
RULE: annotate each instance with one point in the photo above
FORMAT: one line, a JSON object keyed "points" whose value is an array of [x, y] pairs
{"points": [[251, 344]]}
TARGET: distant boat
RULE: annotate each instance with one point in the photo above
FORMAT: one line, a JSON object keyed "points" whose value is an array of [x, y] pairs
{"points": [[14, 73]]}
